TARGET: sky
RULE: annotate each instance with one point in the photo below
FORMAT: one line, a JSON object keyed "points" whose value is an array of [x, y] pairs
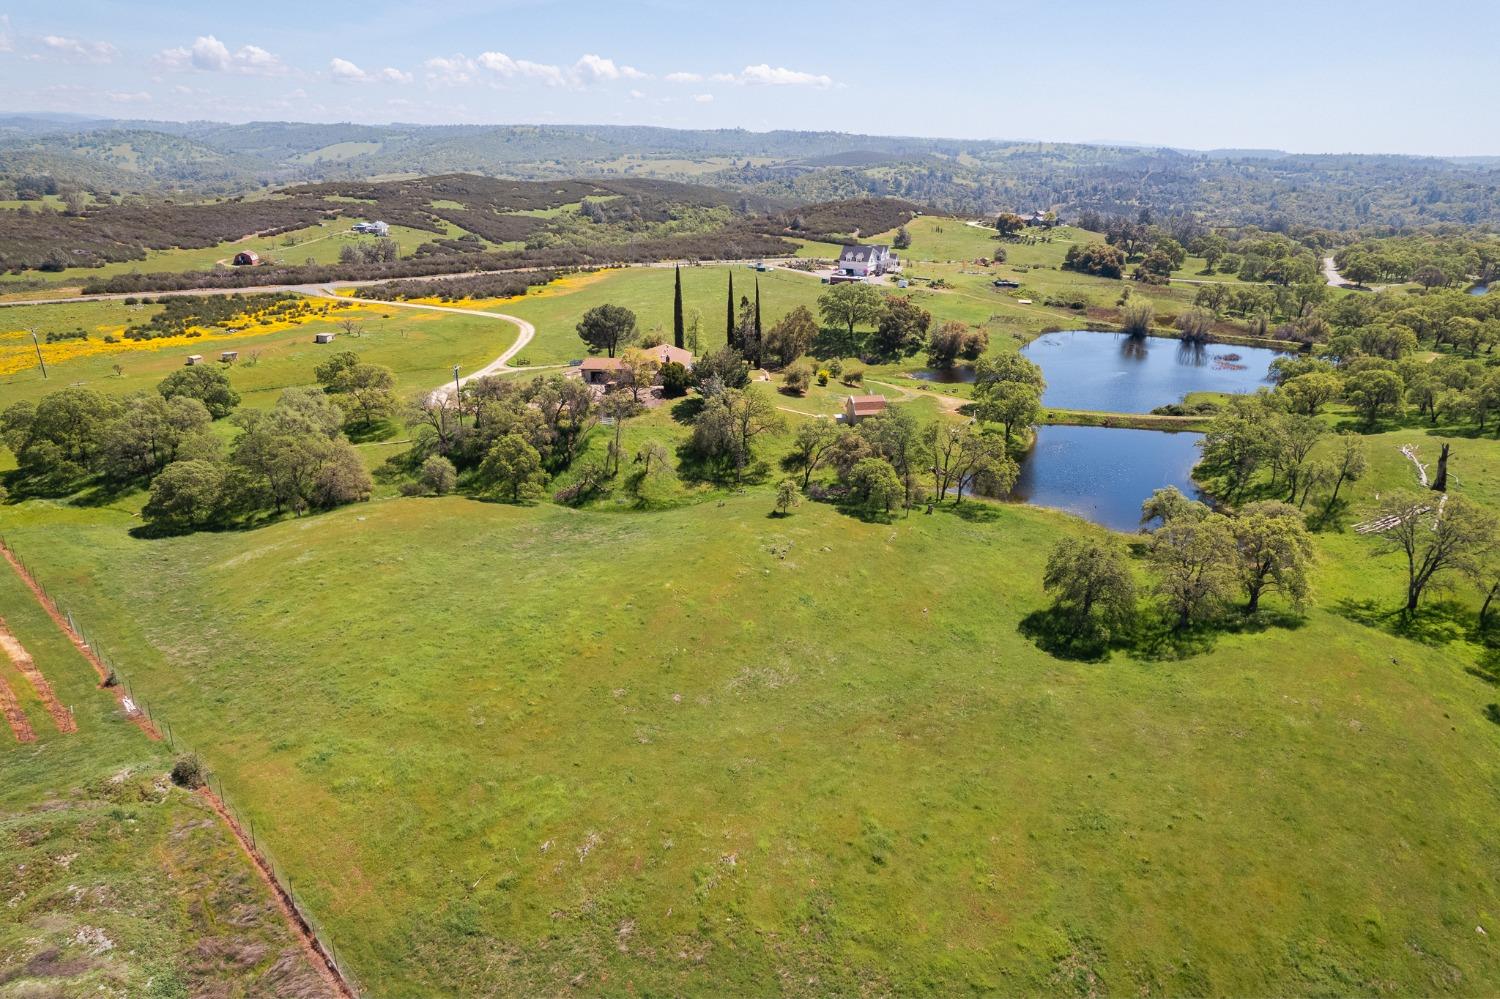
{"points": [[1308, 76]]}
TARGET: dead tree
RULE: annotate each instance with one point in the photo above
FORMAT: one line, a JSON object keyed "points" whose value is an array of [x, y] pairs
{"points": [[1440, 482]]}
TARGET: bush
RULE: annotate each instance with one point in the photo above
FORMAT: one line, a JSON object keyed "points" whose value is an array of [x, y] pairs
{"points": [[438, 475], [798, 378], [853, 377], [188, 772]]}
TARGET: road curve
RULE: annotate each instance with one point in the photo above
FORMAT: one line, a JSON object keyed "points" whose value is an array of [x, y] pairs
{"points": [[499, 365]]}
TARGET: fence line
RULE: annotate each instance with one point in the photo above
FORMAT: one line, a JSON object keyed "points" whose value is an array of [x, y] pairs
{"points": [[212, 783]]}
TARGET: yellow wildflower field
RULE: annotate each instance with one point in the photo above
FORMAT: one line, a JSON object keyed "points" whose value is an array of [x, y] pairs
{"points": [[17, 352]]}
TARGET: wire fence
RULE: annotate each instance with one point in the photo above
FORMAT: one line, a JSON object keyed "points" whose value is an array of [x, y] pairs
{"points": [[114, 677]]}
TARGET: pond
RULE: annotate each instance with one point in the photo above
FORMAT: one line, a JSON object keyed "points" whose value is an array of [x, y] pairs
{"points": [[1104, 474], [959, 375], [1116, 373], [1480, 289]]}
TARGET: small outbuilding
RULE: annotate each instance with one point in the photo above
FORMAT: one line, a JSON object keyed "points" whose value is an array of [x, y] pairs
{"points": [[229, 355], [858, 407], [322, 338], [193, 359], [246, 258], [601, 370]]}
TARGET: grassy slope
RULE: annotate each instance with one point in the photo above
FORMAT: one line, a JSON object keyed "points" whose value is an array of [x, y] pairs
{"points": [[116, 883], [320, 243], [703, 748]]}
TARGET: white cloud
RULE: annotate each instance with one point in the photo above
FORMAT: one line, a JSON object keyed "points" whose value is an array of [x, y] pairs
{"points": [[135, 97], [75, 48], [458, 69], [7, 40], [507, 68], [499, 67], [209, 55], [704, 98], [782, 77], [592, 68], [343, 69], [763, 74], [636, 95]]}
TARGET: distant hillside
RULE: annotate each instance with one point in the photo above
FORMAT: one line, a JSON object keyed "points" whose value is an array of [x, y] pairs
{"points": [[1267, 188]]}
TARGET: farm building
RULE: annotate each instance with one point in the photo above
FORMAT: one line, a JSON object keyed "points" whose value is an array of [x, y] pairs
{"points": [[229, 355], [194, 359], [373, 228], [601, 370], [322, 338], [867, 260], [666, 354], [1044, 219], [857, 407], [246, 258]]}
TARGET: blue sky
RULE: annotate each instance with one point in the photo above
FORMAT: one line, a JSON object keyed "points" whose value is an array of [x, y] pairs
{"points": [[1311, 76]]}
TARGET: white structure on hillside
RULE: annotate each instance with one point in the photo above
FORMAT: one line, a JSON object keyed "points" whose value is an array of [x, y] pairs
{"points": [[373, 228], [867, 259]]}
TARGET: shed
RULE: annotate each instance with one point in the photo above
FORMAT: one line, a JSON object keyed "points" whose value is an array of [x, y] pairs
{"points": [[322, 338], [246, 258], [600, 370], [229, 355], [194, 359], [857, 407]]}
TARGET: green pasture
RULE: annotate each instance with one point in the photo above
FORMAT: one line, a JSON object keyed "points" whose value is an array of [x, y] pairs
{"points": [[707, 749], [116, 882]]}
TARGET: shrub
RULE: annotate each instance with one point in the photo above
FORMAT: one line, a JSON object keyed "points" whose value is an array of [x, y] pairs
{"points": [[438, 475], [188, 772], [853, 377], [797, 378], [823, 376]]}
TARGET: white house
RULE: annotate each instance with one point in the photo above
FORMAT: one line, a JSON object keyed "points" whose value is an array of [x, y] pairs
{"points": [[865, 260], [373, 228]]}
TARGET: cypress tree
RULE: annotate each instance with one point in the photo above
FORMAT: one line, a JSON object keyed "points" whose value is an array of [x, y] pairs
{"points": [[758, 338], [729, 337], [677, 329]]}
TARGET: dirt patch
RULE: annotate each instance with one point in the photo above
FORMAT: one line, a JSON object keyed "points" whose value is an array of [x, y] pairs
{"points": [[11, 708], [61, 716]]}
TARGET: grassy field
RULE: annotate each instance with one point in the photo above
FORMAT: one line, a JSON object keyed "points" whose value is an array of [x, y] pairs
{"points": [[319, 243], [420, 346], [115, 882], [704, 748]]}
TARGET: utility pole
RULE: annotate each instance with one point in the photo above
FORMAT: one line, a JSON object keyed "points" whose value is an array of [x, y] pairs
{"points": [[37, 344], [458, 399]]}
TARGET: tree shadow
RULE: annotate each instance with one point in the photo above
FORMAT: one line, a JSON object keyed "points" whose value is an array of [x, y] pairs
{"points": [[1057, 633], [1437, 623], [831, 342], [367, 433], [686, 410]]}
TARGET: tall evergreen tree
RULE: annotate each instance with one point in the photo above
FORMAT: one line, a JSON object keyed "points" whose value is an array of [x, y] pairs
{"points": [[678, 334], [754, 350], [729, 334]]}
